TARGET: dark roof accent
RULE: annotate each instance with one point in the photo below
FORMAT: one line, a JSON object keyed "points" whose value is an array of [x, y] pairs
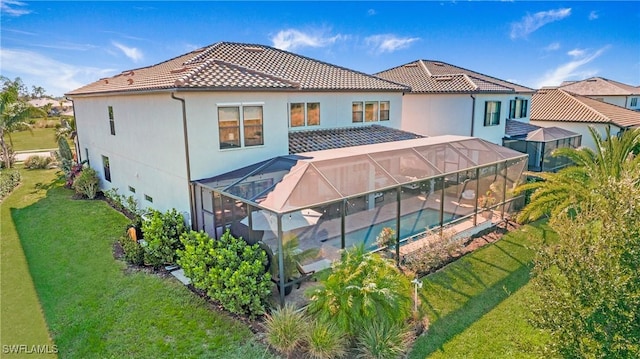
{"points": [[318, 140], [515, 128]]}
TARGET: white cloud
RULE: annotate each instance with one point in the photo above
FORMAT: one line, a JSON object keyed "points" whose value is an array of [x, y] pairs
{"points": [[531, 23], [576, 53], [371, 12], [552, 46], [572, 69], [54, 76], [593, 15], [9, 7], [292, 39], [131, 52], [388, 42]]}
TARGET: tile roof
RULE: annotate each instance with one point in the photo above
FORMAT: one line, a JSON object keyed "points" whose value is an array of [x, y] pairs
{"points": [[515, 128], [599, 86], [238, 66], [319, 140], [546, 134], [560, 105], [426, 76]]}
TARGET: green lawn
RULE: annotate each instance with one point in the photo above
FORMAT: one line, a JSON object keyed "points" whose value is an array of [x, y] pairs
{"points": [[41, 138], [95, 308], [21, 318], [477, 304]]}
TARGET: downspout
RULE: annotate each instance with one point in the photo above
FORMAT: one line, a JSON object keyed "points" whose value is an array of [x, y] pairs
{"points": [[187, 157], [473, 113]]}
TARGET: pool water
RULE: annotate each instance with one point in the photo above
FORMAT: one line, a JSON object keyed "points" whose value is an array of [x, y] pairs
{"points": [[410, 224]]}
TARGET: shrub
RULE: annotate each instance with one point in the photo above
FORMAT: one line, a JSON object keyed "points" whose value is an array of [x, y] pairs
{"points": [[285, 328], [362, 288], [116, 199], [133, 252], [8, 181], [325, 341], [382, 340], [230, 270], [37, 162], [86, 184], [162, 237], [434, 253]]}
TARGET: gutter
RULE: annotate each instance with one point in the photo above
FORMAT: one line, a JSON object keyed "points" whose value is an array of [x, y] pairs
{"points": [[473, 113], [186, 156]]}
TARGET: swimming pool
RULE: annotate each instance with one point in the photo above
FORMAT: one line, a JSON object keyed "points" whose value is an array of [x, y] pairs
{"points": [[410, 224]]}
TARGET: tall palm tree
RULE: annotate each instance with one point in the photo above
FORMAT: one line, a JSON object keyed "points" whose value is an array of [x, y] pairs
{"points": [[13, 116], [565, 190]]}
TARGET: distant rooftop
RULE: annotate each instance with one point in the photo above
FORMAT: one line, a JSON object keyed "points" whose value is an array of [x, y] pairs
{"points": [[318, 140], [427, 76], [515, 128], [599, 86], [563, 106]]}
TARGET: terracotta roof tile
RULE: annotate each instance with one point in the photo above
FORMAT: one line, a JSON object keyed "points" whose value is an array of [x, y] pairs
{"points": [[560, 105], [318, 140], [598, 86], [425, 76], [228, 65]]}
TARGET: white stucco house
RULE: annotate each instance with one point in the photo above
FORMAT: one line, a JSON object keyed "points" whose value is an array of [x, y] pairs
{"points": [[557, 107], [609, 91], [151, 131], [446, 99]]}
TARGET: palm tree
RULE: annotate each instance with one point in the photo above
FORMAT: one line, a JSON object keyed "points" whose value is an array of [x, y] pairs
{"points": [[565, 190], [13, 115]]}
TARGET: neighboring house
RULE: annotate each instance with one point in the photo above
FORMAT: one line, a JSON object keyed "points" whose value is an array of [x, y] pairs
{"points": [[446, 99], [557, 107], [58, 107], [609, 91], [151, 131]]}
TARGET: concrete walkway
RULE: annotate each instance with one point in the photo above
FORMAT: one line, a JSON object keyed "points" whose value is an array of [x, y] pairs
{"points": [[21, 156]]}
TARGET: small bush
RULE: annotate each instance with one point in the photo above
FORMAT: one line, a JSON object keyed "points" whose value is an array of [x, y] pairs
{"points": [[133, 252], [285, 328], [434, 253], [325, 341], [162, 233], [382, 340], [230, 270], [37, 162], [86, 184], [8, 181]]}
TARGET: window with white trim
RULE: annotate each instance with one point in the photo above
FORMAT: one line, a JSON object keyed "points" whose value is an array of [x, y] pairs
{"points": [[492, 113], [518, 108], [231, 119], [304, 114]]}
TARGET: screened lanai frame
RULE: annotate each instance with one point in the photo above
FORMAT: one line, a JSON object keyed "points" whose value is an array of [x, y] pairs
{"points": [[333, 199]]}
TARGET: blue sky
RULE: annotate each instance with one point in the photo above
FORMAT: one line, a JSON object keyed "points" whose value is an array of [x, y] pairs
{"points": [[63, 45]]}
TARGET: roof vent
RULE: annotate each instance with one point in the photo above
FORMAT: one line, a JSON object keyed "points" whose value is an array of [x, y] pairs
{"points": [[445, 78], [106, 81], [128, 73], [130, 81], [411, 65], [253, 49], [592, 80], [438, 64]]}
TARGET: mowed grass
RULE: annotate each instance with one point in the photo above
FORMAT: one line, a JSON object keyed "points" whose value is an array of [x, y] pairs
{"points": [[21, 319], [96, 308], [38, 139], [477, 305]]}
